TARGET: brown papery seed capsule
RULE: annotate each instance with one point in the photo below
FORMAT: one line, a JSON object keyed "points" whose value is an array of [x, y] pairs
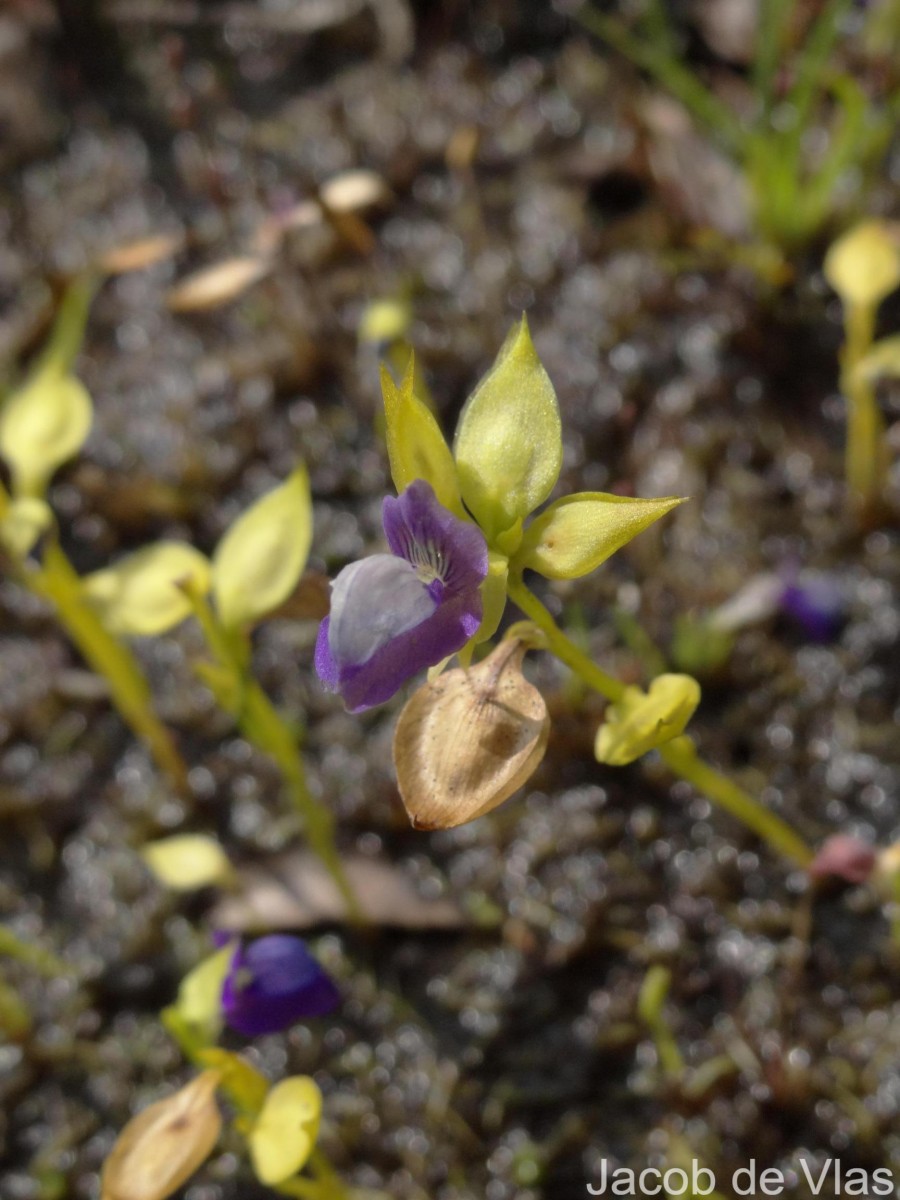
{"points": [[469, 739], [164, 1145]]}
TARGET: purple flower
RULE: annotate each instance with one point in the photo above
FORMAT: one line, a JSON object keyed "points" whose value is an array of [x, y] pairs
{"points": [[272, 983], [816, 602], [394, 614]]}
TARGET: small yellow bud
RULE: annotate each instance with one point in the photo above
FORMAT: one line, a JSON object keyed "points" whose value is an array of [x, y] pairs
{"points": [[863, 266], [285, 1132], [642, 721]]}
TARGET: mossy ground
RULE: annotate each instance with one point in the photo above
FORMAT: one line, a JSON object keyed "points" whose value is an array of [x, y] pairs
{"points": [[500, 1060]]}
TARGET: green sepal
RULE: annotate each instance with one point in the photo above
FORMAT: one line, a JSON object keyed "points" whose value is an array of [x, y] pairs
{"points": [[579, 532], [416, 447], [493, 596], [508, 444]]}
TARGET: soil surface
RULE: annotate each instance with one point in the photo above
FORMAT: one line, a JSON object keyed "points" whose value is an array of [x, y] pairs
{"points": [[498, 1055]]}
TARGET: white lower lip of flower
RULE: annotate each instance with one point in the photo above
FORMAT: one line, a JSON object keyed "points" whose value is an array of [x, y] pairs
{"points": [[372, 602]]}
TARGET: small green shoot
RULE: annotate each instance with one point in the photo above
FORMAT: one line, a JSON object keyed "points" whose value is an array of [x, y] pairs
{"points": [[795, 193]]}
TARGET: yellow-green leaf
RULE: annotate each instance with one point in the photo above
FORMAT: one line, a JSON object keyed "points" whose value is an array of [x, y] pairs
{"points": [[579, 532], [42, 424], [22, 524], [143, 594], [187, 861], [285, 1132], [863, 266], [642, 721], [258, 562], [160, 1148], [508, 444], [199, 1003], [416, 447]]}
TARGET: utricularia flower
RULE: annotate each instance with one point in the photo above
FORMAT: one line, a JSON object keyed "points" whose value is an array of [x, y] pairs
{"points": [[458, 534], [394, 614], [273, 983]]}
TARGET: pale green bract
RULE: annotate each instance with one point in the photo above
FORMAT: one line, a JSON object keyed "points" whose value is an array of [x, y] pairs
{"points": [[579, 532], [260, 559], [144, 593], [43, 424], [508, 445]]}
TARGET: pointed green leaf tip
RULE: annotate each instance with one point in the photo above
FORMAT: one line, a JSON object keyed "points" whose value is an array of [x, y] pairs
{"points": [[579, 532], [509, 439], [258, 562], [415, 444], [642, 721]]}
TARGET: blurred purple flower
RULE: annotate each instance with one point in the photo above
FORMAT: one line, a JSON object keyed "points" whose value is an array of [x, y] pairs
{"points": [[392, 615], [815, 601], [272, 983], [843, 856]]}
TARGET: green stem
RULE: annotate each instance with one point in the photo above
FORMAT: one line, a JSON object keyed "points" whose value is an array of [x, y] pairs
{"points": [[682, 759], [261, 724], [678, 755], [865, 459], [57, 581], [333, 1187], [659, 61], [43, 961]]}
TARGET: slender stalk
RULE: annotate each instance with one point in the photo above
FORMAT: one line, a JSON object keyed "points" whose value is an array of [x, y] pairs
{"points": [[679, 754], [43, 961], [264, 726], [261, 724], [865, 455], [57, 581], [659, 61], [682, 759]]}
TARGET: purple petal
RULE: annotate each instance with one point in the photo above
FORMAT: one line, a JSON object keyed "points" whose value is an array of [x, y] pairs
{"points": [[447, 631], [273, 983], [326, 667], [817, 602], [372, 602], [419, 529]]}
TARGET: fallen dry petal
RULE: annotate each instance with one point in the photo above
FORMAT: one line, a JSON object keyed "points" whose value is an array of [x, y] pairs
{"points": [[165, 1144], [295, 891], [218, 284], [353, 190], [137, 255], [469, 739]]}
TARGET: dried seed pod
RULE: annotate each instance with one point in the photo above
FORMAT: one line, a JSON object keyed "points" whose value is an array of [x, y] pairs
{"points": [[219, 284], [469, 739], [165, 1144]]}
